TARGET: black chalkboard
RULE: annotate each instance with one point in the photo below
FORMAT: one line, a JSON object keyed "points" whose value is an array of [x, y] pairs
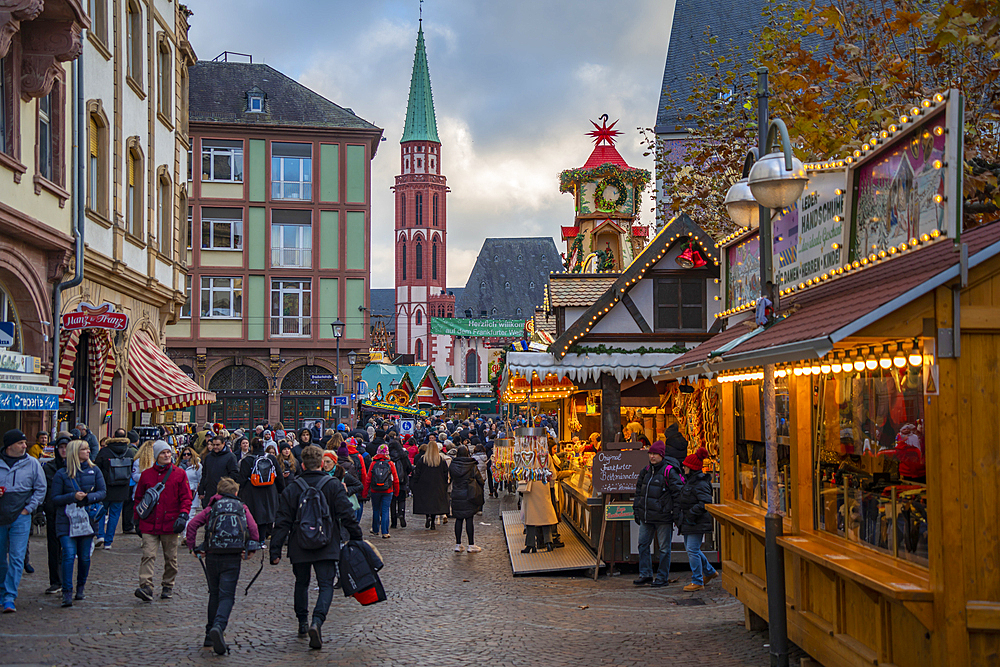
{"points": [[617, 472]]}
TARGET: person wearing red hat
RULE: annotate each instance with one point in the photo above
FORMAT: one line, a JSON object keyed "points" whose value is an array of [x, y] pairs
{"points": [[695, 520]]}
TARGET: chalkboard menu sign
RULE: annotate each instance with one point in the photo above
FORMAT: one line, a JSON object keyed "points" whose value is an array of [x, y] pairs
{"points": [[617, 472]]}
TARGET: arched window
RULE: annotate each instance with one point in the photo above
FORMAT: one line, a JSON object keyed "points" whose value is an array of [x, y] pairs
{"points": [[418, 262], [494, 312], [166, 67], [97, 172], [472, 367], [134, 200], [402, 209], [434, 261], [434, 211], [518, 312], [419, 318], [165, 216], [506, 285], [418, 350], [402, 260], [482, 285], [133, 40], [418, 200], [531, 285]]}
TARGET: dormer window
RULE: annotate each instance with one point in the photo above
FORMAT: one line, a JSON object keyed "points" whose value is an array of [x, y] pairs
{"points": [[255, 101]]}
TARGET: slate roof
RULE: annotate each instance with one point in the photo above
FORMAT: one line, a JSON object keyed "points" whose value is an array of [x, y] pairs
{"points": [[218, 94], [578, 289], [840, 308], [421, 124], [499, 281]]}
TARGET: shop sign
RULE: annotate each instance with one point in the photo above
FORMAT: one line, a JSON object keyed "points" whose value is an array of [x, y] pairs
{"points": [[619, 511], [87, 316], [7, 330], [743, 272], [13, 362], [392, 407], [455, 326], [808, 239], [617, 472], [16, 400]]}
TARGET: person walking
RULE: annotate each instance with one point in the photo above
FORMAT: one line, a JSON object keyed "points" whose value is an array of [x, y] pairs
{"points": [[311, 550], [115, 462], [22, 491], [77, 486], [190, 463], [229, 529], [261, 484], [430, 484], [382, 484], [289, 465], [467, 496], [657, 486], [397, 508], [695, 521], [161, 526], [50, 468], [219, 462], [128, 507], [88, 435]]}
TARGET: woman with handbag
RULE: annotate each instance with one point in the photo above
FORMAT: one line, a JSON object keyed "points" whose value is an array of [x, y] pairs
{"points": [[77, 492]]}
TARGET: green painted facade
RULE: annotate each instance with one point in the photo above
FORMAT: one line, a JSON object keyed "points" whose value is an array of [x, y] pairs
{"points": [[256, 302], [328, 300], [255, 238], [354, 318], [355, 166], [329, 240], [355, 243], [421, 125], [255, 170], [329, 172]]}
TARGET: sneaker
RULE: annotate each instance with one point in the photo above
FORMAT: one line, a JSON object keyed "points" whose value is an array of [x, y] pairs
{"points": [[144, 593], [67, 599], [386, 536], [710, 576], [658, 583], [315, 636], [458, 548], [208, 642], [28, 569], [8, 607], [642, 581], [473, 549], [52, 590], [303, 628], [690, 588], [374, 532], [218, 641], [167, 593], [99, 542], [107, 546]]}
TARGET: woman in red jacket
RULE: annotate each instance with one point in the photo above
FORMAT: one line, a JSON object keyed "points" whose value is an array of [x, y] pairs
{"points": [[164, 523]]}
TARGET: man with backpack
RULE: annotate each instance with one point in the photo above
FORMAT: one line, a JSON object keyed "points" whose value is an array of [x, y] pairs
{"points": [[115, 463], [382, 484], [313, 512], [229, 531], [655, 490]]}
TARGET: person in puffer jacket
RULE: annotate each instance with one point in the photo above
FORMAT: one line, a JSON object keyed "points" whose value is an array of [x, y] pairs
{"points": [[24, 487], [167, 519], [656, 489], [694, 520]]}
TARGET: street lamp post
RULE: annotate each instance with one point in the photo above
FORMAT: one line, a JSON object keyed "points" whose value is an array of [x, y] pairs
{"points": [[352, 358], [774, 180], [338, 331]]}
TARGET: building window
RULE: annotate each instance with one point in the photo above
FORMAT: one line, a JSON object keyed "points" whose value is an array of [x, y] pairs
{"points": [[518, 312], [506, 285], [133, 204], [255, 103], [419, 262], [190, 165], [419, 209], [402, 209], [97, 176], [434, 261], [291, 239], [46, 142], [472, 367], [99, 20], [133, 40], [419, 318], [402, 260], [186, 309], [680, 304], [221, 298], [222, 161], [531, 284], [418, 350], [165, 64], [190, 226], [494, 312], [222, 229], [8, 313], [291, 303], [291, 171], [165, 217], [434, 210], [482, 285]]}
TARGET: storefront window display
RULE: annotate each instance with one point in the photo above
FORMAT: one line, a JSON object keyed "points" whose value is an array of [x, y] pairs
{"points": [[870, 477], [750, 458]]}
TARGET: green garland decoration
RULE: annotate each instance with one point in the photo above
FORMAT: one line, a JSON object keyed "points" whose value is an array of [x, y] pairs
{"points": [[605, 204], [577, 248], [603, 349], [638, 178]]}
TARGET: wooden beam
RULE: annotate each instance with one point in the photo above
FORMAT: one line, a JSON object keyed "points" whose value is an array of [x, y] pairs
{"points": [[633, 310], [981, 318]]}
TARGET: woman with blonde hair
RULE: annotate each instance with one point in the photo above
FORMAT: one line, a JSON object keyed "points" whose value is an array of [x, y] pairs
{"points": [[143, 459], [75, 488]]}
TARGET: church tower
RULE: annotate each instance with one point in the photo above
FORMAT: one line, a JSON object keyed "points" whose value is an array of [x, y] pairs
{"points": [[421, 229]]}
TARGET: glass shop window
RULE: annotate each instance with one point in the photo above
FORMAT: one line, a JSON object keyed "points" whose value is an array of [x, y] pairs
{"points": [[751, 469], [870, 479]]}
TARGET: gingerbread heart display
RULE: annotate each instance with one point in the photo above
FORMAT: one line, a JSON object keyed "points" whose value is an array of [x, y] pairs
{"points": [[527, 457]]}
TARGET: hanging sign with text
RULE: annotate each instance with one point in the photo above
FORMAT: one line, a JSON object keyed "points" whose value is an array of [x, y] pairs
{"points": [[89, 317], [809, 239], [617, 472]]}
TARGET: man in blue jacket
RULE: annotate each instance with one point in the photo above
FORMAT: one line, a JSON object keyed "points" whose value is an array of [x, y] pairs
{"points": [[22, 491]]}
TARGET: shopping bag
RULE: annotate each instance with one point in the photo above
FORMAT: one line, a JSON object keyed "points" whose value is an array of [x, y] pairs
{"points": [[79, 521]]}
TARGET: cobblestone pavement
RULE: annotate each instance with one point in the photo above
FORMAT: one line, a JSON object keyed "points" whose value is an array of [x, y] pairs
{"points": [[443, 609]]}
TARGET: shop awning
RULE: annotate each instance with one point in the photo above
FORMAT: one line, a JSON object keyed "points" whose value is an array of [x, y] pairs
{"points": [[468, 401], [155, 382], [585, 367], [820, 317]]}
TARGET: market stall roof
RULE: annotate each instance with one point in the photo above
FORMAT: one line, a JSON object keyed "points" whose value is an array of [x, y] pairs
{"points": [[155, 382], [389, 376], [818, 318], [584, 367]]}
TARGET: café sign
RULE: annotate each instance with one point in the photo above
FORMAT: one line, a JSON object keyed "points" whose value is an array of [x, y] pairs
{"points": [[87, 316]]}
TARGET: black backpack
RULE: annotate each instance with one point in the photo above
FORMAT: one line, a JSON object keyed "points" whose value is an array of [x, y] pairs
{"points": [[120, 469], [226, 531], [313, 521], [381, 475]]}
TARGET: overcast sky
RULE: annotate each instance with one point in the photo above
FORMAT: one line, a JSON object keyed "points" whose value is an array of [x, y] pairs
{"points": [[515, 84]]}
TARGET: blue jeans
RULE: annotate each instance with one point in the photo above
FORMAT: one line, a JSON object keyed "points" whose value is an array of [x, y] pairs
{"points": [[380, 512], [360, 510], [13, 547], [664, 533], [223, 573], [112, 512], [73, 548], [699, 564]]}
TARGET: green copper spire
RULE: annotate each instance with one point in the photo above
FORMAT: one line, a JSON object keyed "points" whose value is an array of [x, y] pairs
{"points": [[420, 122]]}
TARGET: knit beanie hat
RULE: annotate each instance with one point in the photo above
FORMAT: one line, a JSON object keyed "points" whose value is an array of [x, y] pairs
{"points": [[12, 436], [696, 461], [658, 448], [383, 450], [158, 448]]}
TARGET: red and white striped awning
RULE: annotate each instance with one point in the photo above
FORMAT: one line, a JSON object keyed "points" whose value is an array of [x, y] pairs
{"points": [[101, 359], [155, 382]]}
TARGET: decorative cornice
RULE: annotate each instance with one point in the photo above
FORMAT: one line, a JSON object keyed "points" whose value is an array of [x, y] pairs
{"points": [[46, 44], [12, 12]]}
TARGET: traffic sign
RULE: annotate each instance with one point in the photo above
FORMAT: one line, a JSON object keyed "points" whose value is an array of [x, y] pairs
{"points": [[406, 427], [362, 387], [6, 334], [321, 376], [340, 400]]}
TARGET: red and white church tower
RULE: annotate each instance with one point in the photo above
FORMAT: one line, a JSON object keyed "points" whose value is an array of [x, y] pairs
{"points": [[421, 230]]}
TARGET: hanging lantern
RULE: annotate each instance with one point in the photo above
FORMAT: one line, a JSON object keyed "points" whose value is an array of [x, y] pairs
{"points": [[691, 258]]}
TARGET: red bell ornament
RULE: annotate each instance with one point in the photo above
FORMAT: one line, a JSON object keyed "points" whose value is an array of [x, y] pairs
{"points": [[691, 259]]}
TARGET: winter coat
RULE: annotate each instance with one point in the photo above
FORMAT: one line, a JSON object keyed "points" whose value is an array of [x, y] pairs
{"points": [[481, 460], [430, 487], [340, 510], [655, 491], [50, 469], [194, 475], [25, 486], [215, 466], [292, 470], [392, 469], [351, 483], [403, 466], [262, 500], [467, 496], [537, 504], [201, 518], [411, 450], [372, 447], [90, 480], [115, 448], [691, 501], [174, 501]]}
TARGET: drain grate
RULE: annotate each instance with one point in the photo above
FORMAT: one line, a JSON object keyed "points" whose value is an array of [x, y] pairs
{"points": [[689, 602]]}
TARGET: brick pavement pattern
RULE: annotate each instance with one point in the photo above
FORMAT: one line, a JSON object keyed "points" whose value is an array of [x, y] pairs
{"points": [[443, 609]]}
